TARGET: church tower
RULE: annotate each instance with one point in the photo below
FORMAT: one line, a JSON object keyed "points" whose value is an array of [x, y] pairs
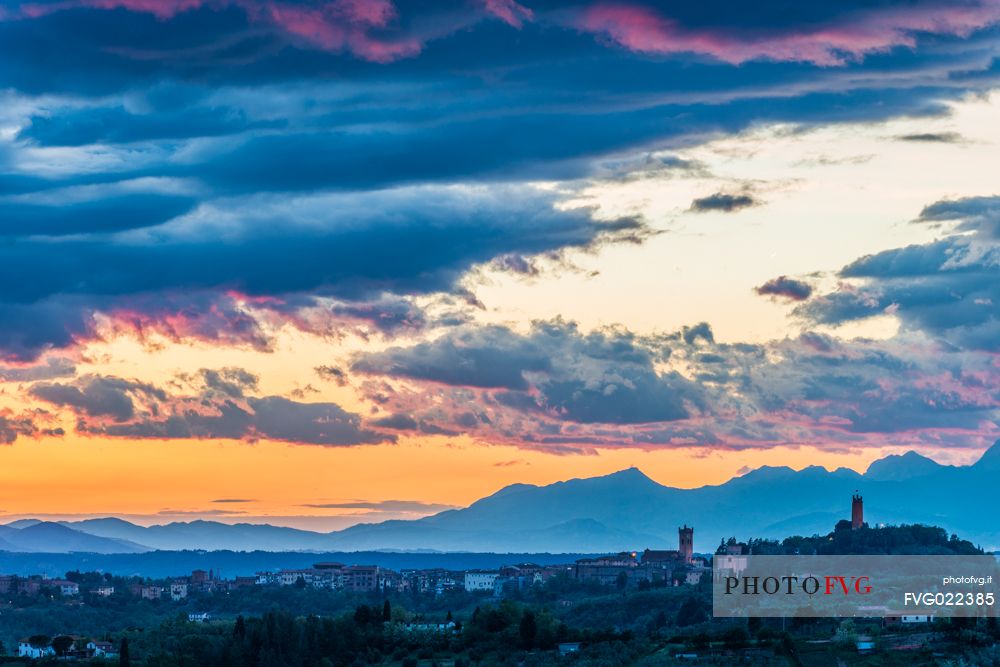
{"points": [[685, 537], [857, 511]]}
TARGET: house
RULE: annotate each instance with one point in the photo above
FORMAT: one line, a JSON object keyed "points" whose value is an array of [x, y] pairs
{"points": [[178, 590], [35, 648], [909, 617], [150, 592], [566, 648], [478, 580], [66, 588], [101, 649], [429, 627], [362, 578], [30, 587], [291, 577], [103, 591], [200, 617]]}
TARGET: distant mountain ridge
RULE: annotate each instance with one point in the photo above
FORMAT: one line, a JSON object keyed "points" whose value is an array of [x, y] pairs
{"points": [[623, 510]]}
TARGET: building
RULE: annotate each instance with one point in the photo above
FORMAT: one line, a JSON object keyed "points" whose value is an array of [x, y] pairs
{"points": [[362, 578], [857, 512], [481, 581], [31, 586], [35, 648], [66, 588], [615, 569], [291, 577], [178, 590], [567, 648], [102, 649], [150, 592], [684, 555], [104, 591], [685, 539]]}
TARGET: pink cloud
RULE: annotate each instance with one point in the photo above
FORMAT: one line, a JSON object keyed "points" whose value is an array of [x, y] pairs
{"points": [[509, 11], [341, 25], [643, 30]]}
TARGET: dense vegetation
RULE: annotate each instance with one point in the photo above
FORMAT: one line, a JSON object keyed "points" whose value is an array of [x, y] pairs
{"points": [[913, 540]]}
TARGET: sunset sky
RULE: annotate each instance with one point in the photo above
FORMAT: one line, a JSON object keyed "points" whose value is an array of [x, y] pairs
{"points": [[328, 262]]}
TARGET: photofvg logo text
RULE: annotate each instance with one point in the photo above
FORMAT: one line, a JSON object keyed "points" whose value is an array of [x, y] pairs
{"points": [[794, 585], [885, 586]]}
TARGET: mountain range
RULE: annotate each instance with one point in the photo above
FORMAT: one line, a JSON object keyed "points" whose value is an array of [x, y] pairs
{"points": [[624, 510]]}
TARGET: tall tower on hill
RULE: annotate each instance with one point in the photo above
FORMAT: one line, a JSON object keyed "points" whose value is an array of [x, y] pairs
{"points": [[685, 538], [857, 511]]}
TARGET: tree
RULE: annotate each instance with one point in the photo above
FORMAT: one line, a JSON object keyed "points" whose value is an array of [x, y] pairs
{"points": [[363, 615], [240, 628], [735, 637], [528, 629], [62, 644], [691, 612], [123, 657], [386, 612]]}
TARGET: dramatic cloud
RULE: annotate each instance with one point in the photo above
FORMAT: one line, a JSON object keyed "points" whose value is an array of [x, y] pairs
{"points": [[12, 427], [824, 36], [555, 371], [933, 138], [569, 392], [53, 368], [948, 289], [219, 410], [726, 203], [787, 288], [178, 281]]}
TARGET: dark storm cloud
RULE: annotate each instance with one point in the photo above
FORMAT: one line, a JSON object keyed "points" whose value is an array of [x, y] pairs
{"points": [[602, 390], [538, 97], [352, 246], [99, 396], [727, 203], [115, 125], [219, 410], [12, 427], [933, 138], [785, 287], [948, 289], [92, 217], [600, 377]]}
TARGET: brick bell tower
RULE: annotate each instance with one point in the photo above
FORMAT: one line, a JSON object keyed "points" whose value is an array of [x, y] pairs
{"points": [[857, 511], [685, 537]]}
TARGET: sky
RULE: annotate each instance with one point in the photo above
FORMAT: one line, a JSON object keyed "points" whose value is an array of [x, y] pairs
{"points": [[328, 262]]}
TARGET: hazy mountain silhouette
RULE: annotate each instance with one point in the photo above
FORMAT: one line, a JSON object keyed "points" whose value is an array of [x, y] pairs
{"points": [[624, 510], [49, 537]]}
